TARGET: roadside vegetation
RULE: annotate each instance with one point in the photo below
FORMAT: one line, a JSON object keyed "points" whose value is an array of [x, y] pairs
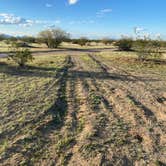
{"points": [[19, 55]]}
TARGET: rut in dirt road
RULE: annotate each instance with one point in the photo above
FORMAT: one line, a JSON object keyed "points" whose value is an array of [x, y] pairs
{"points": [[148, 115]]}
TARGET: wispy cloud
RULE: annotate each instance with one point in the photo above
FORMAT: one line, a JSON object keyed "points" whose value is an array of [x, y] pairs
{"points": [[48, 5], [82, 22], [72, 2], [54, 25], [103, 12]]}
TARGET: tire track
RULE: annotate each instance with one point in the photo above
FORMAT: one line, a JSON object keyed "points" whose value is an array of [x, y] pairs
{"points": [[147, 94], [152, 136], [104, 117]]}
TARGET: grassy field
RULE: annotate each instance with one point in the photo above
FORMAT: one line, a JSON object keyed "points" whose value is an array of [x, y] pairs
{"points": [[89, 109]]}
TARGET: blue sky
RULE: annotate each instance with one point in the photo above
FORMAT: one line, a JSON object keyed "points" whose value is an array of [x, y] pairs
{"points": [[91, 18]]}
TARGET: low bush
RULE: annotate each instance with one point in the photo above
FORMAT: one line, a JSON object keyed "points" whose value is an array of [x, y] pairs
{"points": [[107, 41], [20, 55], [124, 44], [81, 41], [148, 49]]}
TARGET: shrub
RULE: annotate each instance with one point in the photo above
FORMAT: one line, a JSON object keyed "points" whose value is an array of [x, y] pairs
{"points": [[2, 37], [81, 41], [156, 49], [163, 43], [107, 41], [20, 55], [147, 48], [124, 44], [142, 47], [28, 39]]}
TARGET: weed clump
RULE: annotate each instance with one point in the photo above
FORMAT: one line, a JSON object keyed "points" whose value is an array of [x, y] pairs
{"points": [[94, 99]]}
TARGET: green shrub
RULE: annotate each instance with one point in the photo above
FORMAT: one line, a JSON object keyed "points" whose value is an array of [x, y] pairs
{"points": [[107, 41], [124, 44], [28, 39], [82, 41], [20, 55], [147, 49]]}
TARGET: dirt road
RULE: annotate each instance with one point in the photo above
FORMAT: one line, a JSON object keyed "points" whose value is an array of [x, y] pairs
{"points": [[101, 115], [65, 51]]}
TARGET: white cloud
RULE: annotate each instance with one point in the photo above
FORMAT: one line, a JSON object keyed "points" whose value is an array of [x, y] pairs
{"points": [[11, 19], [72, 2], [48, 5], [105, 10], [57, 21], [102, 12]]}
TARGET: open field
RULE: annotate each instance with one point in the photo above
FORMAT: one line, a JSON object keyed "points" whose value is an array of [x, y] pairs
{"points": [[84, 109]]}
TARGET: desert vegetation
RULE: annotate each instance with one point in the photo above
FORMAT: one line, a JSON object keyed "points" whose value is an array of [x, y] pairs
{"points": [[83, 108], [19, 55], [53, 37]]}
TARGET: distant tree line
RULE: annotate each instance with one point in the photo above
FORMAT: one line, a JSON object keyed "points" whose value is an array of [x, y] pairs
{"points": [[52, 38]]}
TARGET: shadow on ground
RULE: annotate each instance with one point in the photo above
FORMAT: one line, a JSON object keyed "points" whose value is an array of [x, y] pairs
{"points": [[39, 140], [34, 71]]}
